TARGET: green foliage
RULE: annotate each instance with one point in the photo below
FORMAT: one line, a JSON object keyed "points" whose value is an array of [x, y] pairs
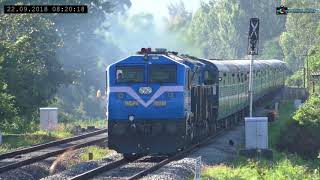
{"points": [[301, 34], [295, 80], [309, 113], [214, 29], [314, 58], [277, 128], [271, 50], [85, 54], [283, 166], [40, 53], [302, 136], [179, 17], [30, 72], [220, 28], [7, 108]]}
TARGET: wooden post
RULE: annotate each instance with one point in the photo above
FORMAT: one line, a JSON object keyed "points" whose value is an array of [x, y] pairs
{"points": [[304, 77], [90, 156], [313, 87]]}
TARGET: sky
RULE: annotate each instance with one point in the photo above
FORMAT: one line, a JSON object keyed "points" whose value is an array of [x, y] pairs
{"points": [[122, 35], [159, 7]]}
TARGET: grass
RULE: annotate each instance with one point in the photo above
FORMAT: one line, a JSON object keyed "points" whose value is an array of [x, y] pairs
{"points": [[98, 153], [11, 142], [63, 130], [14, 141], [286, 110], [283, 166], [98, 123]]}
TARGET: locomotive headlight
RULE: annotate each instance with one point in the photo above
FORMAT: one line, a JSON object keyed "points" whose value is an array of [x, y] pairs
{"points": [[131, 118]]}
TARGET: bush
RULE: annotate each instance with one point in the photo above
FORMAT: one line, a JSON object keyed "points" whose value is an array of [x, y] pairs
{"points": [[299, 139], [309, 113], [303, 135], [296, 80]]}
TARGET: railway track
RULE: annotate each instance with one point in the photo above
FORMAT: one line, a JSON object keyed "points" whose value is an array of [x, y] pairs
{"points": [[30, 155], [150, 166]]}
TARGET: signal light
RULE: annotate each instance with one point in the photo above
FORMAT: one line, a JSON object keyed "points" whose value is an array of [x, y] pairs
{"points": [[146, 50], [282, 10], [143, 50]]}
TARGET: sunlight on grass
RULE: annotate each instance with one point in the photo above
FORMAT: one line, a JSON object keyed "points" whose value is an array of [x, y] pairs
{"points": [[98, 153], [98, 123], [291, 167], [11, 142]]}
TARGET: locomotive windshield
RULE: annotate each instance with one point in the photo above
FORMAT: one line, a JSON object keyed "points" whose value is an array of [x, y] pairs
{"points": [[163, 73], [128, 74]]}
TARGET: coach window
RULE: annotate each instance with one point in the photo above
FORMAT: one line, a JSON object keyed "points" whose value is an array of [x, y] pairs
{"points": [[130, 74], [233, 79], [208, 78], [224, 78]]}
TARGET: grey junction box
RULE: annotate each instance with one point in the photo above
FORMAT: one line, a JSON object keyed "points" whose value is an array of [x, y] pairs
{"points": [[48, 118], [256, 132]]}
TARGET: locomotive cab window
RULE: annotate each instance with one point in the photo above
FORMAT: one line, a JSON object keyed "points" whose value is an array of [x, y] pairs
{"points": [[130, 74], [163, 73]]}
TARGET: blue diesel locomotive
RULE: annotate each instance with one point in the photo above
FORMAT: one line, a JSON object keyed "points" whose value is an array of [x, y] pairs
{"points": [[159, 102]]}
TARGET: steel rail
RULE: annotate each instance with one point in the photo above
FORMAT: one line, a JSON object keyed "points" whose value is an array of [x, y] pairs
{"points": [[50, 144], [174, 157], [99, 170], [47, 155]]}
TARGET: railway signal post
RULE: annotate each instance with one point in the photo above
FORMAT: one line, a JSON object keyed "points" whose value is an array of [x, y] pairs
{"points": [[256, 128], [253, 41]]}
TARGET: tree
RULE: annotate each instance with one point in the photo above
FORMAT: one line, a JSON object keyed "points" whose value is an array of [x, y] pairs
{"points": [[271, 50], [309, 113], [179, 17], [84, 54], [300, 35], [7, 108], [31, 70], [220, 27], [314, 55]]}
